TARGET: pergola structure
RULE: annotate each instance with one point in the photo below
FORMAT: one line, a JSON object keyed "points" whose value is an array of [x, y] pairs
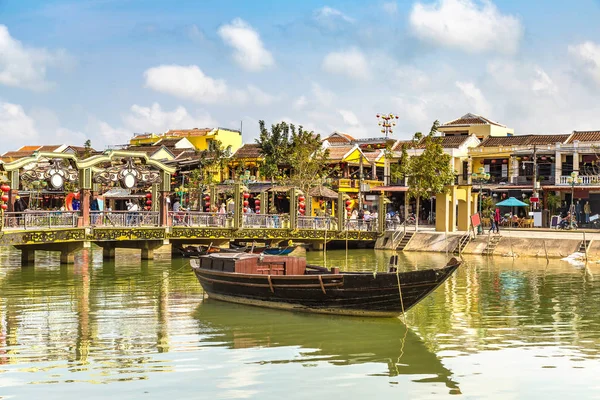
{"points": [[123, 168]]}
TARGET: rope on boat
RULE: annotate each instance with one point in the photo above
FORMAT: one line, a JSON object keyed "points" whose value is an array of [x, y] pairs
{"points": [[271, 283], [322, 286], [400, 291]]}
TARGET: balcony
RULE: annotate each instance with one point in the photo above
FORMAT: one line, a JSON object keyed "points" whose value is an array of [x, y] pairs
{"points": [[585, 180], [347, 185]]}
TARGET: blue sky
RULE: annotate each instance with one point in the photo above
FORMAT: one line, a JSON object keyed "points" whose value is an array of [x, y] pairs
{"points": [[104, 69]]}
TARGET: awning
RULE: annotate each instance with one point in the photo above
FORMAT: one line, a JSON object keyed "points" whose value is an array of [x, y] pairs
{"points": [[390, 189]]}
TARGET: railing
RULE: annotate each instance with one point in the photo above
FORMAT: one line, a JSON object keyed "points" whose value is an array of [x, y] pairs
{"points": [[354, 183], [266, 221], [194, 218], [393, 225], [124, 218], [40, 219], [361, 225], [320, 223], [585, 179]]}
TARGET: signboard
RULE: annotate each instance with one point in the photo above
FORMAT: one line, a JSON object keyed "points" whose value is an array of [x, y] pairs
{"points": [[371, 197], [475, 220], [534, 199]]}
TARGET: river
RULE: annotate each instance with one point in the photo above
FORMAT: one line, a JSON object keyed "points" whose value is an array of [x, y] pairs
{"points": [[130, 329]]}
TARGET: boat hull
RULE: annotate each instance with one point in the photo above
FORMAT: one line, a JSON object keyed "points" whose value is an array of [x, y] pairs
{"points": [[358, 294]]}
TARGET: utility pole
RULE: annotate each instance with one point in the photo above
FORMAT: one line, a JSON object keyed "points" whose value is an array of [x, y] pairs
{"points": [[534, 194]]}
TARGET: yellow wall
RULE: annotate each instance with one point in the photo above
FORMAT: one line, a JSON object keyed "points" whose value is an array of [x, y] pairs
{"points": [[481, 131], [229, 138], [162, 154], [147, 140]]}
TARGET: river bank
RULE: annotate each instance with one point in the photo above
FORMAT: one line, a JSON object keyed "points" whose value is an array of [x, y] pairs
{"points": [[521, 243]]}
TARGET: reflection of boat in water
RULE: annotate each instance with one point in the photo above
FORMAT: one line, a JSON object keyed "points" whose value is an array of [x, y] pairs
{"points": [[336, 340], [288, 283]]}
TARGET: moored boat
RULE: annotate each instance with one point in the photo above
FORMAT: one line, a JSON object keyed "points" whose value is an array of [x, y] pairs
{"points": [[289, 283]]}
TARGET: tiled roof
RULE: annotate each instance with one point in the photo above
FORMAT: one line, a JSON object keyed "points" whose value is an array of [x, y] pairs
{"points": [[337, 153], [149, 150], [188, 132], [372, 155], [249, 150], [167, 142], [339, 138], [399, 144], [585, 136], [472, 119], [523, 140], [447, 142], [29, 148]]}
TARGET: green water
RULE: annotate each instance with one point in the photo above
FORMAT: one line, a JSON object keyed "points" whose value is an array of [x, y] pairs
{"points": [[498, 329]]}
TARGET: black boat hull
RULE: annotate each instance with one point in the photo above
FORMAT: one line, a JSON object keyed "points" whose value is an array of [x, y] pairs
{"points": [[358, 294]]}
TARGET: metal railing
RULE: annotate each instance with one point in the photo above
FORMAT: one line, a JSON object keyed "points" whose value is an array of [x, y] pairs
{"points": [[320, 223], [361, 225], [124, 218], [585, 179], [40, 219], [265, 221], [196, 218]]}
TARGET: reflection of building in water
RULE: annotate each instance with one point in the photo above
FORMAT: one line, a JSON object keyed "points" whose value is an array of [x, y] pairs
{"points": [[336, 340], [162, 329]]}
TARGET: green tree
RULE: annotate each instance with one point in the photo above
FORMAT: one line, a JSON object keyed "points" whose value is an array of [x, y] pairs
{"points": [[274, 147], [307, 158], [553, 202], [87, 148], [427, 173]]}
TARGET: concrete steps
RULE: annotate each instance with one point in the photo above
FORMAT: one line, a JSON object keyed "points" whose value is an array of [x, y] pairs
{"points": [[584, 246], [462, 243], [404, 241], [493, 241]]}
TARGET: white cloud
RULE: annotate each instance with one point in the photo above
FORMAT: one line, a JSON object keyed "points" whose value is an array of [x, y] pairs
{"points": [[352, 63], [186, 82], [328, 16], [258, 96], [26, 67], [195, 33], [475, 98], [249, 51], [155, 119], [586, 56], [390, 7], [468, 25], [542, 83], [349, 117], [300, 103], [16, 126], [324, 96]]}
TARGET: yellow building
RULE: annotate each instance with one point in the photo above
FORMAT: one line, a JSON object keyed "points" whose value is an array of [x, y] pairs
{"points": [[471, 124], [200, 138], [246, 161]]}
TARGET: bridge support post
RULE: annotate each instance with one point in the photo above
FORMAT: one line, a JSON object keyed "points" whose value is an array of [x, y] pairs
{"points": [[108, 252], [147, 254], [340, 212], [27, 257], [67, 257]]}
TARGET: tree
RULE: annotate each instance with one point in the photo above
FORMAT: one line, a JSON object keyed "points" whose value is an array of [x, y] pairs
{"points": [[428, 173], [307, 158], [87, 148], [274, 147]]}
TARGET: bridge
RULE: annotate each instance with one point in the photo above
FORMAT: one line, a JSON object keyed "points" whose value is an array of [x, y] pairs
{"points": [[65, 232]]}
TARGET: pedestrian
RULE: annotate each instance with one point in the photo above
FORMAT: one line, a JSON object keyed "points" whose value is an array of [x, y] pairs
{"points": [[587, 210], [492, 221], [497, 220]]}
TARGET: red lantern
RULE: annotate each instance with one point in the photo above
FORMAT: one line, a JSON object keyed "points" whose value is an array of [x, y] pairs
{"points": [[3, 206], [245, 203], [207, 204], [257, 211], [302, 212], [246, 195], [207, 209], [301, 198], [5, 188], [257, 208], [148, 195], [4, 198], [257, 202], [148, 202], [348, 202], [245, 210], [349, 208], [207, 197], [302, 205]]}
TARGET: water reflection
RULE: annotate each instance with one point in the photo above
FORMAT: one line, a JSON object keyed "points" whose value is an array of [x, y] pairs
{"points": [[336, 340], [144, 323]]}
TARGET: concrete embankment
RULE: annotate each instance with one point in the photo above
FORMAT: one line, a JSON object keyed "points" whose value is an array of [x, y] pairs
{"points": [[521, 243]]}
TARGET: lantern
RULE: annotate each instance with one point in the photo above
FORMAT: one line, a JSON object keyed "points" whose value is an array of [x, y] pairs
{"points": [[257, 208], [246, 195], [207, 197], [5, 188], [301, 198], [4, 198], [207, 204], [245, 203], [348, 202], [349, 208], [302, 205], [302, 211], [148, 195], [257, 202], [148, 202], [245, 210], [3, 206]]}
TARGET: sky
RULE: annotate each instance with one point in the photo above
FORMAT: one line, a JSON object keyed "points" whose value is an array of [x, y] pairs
{"points": [[106, 69]]}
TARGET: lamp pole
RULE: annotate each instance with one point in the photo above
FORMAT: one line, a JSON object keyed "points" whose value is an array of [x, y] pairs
{"points": [[573, 180], [480, 177], [387, 122]]}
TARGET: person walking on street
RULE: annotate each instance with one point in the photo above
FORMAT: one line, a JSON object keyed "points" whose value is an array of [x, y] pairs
{"points": [[587, 210], [497, 220]]}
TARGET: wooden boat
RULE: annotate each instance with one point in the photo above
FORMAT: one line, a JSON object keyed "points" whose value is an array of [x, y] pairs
{"points": [[272, 251], [288, 283], [197, 251]]}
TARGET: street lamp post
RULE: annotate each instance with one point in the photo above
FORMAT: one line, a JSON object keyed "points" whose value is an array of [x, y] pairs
{"points": [[573, 180], [387, 122], [480, 177]]}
